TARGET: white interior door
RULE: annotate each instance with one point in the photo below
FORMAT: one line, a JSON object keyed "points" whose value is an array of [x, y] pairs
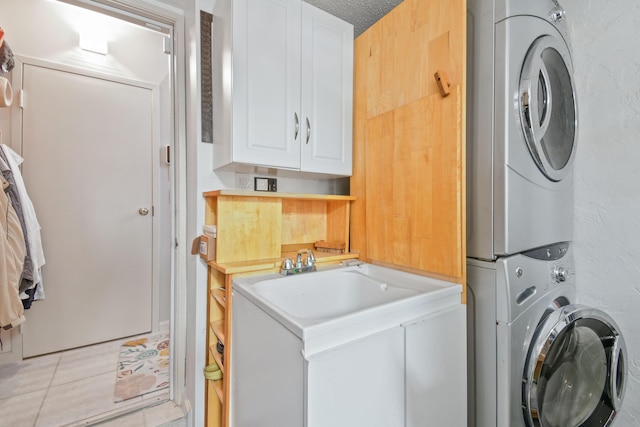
{"points": [[87, 144]]}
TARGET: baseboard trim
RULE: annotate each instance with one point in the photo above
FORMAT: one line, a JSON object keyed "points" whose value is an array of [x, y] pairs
{"points": [[164, 326], [186, 409]]}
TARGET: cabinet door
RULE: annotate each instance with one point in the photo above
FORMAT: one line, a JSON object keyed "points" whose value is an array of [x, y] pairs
{"points": [[358, 384], [327, 92], [436, 374], [266, 82]]}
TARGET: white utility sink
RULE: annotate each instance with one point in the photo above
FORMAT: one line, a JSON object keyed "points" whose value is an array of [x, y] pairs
{"points": [[339, 304], [357, 345]]}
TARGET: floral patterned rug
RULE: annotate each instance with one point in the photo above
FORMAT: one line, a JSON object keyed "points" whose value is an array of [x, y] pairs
{"points": [[143, 366]]}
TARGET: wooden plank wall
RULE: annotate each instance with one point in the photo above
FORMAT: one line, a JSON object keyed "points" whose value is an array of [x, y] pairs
{"points": [[409, 140]]}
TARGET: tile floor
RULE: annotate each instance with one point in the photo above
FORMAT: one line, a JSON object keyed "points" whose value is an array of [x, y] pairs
{"points": [[75, 388]]}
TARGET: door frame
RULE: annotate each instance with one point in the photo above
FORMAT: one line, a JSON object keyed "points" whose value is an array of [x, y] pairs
{"points": [[172, 19]]}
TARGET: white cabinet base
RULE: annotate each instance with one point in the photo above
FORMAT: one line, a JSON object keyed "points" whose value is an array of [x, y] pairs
{"points": [[436, 358], [358, 384], [266, 370], [413, 374]]}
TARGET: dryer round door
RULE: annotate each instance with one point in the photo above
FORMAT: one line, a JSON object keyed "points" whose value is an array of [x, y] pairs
{"points": [[548, 106], [575, 373]]}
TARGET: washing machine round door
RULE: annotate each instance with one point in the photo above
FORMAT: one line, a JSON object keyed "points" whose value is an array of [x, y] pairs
{"points": [[547, 106], [575, 373]]}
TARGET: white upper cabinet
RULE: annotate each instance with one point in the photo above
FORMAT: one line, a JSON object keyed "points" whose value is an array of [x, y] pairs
{"points": [[283, 87], [327, 92]]}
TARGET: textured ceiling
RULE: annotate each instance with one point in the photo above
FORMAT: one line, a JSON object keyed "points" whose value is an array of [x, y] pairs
{"points": [[361, 13]]}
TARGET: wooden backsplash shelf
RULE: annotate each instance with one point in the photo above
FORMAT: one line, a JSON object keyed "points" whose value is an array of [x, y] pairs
{"points": [[255, 226]]}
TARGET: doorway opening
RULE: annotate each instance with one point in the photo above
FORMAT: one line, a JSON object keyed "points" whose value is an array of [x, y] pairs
{"points": [[76, 72]]}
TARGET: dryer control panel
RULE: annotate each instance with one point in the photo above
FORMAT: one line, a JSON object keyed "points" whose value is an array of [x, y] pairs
{"points": [[549, 253]]}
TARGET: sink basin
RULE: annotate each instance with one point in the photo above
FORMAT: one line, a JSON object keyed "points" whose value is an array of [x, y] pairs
{"points": [[328, 295], [341, 303]]}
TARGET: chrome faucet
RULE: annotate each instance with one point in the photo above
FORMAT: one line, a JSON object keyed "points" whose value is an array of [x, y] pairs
{"points": [[288, 268], [299, 261]]}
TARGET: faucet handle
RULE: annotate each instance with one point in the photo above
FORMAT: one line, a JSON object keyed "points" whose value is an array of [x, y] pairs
{"points": [[287, 267], [311, 259], [287, 264]]}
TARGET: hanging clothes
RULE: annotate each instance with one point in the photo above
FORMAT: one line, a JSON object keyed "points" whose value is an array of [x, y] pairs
{"points": [[26, 281], [12, 253], [32, 274]]}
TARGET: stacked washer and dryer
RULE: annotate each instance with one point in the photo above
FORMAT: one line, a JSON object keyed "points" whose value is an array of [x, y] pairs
{"points": [[535, 357]]}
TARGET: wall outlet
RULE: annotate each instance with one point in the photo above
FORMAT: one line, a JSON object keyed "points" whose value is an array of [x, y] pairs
{"points": [[243, 182], [265, 184]]}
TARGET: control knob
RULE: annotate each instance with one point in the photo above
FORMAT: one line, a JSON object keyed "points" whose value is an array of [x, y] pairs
{"points": [[560, 274], [557, 14]]}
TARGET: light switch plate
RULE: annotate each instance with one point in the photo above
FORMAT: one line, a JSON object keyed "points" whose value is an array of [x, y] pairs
{"points": [[262, 184], [265, 184]]}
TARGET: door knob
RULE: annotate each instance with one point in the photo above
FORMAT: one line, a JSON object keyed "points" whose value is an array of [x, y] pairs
{"points": [[143, 211]]}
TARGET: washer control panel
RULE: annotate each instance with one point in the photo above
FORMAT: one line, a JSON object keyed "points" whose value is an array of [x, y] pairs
{"points": [[559, 274], [557, 14], [530, 275]]}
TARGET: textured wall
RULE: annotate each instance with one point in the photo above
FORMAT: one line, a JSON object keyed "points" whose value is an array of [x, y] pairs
{"points": [[606, 51], [361, 13]]}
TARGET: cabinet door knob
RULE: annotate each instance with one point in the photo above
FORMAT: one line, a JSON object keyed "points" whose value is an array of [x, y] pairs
{"points": [[143, 211], [308, 130], [295, 115]]}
